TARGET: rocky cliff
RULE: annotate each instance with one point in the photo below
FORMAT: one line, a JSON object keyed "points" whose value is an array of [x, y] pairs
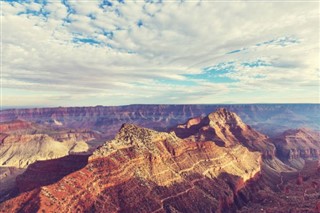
{"points": [[19, 149], [226, 129], [297, 145], [15, 126], [298, 192], [143, 170]]}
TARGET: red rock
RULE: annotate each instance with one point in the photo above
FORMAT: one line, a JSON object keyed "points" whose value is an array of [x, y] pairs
{"points": [[142, 170], [225, 129], [16, 125]]}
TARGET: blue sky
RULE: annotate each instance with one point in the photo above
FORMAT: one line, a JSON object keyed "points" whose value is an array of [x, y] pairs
{"points": [[73, 53]]}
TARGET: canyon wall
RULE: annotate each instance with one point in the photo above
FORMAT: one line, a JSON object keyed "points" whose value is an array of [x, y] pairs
{"points": [[142, 170], [266, 118]]}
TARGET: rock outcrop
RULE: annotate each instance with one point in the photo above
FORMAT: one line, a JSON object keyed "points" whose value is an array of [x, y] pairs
{"points": [[294, 146], [143, 170], [226, 129], [19, 149], [298, 143], [22, 150], [14, 126], [299, 192]]}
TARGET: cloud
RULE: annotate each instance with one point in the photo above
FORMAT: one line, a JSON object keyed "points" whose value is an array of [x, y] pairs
{"points": [[122, 52]]}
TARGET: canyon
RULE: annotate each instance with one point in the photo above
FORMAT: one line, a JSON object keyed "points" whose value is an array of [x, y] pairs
{"points": [[189, 161], [270, 119]]}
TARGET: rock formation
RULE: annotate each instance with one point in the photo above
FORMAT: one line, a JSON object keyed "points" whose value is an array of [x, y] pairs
{"points": [[294, 146], [142, 170], [266, 118], [14, 126], [299, 143], [213, 163], [226, 129], [298, 194], [19, 148]]}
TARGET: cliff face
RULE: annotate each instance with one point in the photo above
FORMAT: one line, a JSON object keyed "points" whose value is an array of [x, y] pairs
{"points": [[22, 150], [226, 129], [298, 143], [19, 149], [298, 192], [268, 119], [14, 126], [143, 170]]}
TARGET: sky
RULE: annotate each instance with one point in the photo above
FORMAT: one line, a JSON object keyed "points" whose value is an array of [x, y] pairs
{"points": [[82, 53]]}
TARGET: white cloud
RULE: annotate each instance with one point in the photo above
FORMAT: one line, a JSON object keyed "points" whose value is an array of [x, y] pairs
{"points": [[173, 40]]}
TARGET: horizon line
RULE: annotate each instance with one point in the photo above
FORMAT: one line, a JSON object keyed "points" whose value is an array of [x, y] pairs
{"points": [[143, 104]]}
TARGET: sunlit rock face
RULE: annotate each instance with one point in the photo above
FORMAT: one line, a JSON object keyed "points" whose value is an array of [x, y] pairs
{"points": [[226, 129], [143, 170], [21, 146], [21, 150]]}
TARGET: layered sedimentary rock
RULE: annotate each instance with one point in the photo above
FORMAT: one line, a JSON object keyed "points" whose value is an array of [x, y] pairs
{"points": [[267, 118], [226, 129], [298, 143], [142, 170], [19, 149], [294, 146], [15, 126], [298, 192], [219, 163]]}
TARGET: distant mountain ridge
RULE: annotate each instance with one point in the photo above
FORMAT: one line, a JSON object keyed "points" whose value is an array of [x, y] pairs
{"points": [[269, 119]]}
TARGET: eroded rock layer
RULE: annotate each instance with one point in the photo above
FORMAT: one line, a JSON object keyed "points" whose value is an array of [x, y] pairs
{"points": [[298, 192], [226, 129], [298, 143], [19, 149], [266, 118], [142, 170], [211, 163]]}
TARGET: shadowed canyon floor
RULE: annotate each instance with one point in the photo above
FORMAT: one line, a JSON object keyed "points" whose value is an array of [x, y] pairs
{"points": [[298, 192]]}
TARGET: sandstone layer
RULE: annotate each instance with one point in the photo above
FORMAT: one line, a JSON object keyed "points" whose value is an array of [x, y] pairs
{"points": [[299, 192], [19, 149], [142, 170], [294, 146], [299, 143], [226, 129]]}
